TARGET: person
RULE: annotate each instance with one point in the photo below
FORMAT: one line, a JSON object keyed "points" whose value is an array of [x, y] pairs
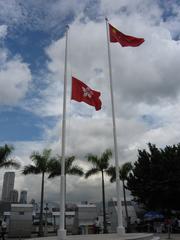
{"points": [[97, 226], [3, 229]]}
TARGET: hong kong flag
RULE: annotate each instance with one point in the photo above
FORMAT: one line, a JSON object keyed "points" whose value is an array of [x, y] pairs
{"points": [[82, 93], [124, 40]]}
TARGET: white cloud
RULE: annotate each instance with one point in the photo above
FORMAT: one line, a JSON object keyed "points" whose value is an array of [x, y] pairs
{"points": [[146, 82], [15, 77], [145, 74], [39, 14], [3, 31], [15, 74]]}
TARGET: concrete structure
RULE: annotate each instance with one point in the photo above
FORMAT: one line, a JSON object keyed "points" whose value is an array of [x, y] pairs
{"points": [[85, 215], [8, 186], [20, 223], [112, 210], [13, 196], [69, 221], [23, 197], [5, 207]]}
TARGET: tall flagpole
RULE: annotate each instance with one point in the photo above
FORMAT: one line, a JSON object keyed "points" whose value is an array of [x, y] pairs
{"points": [[62, 231], [120, 228]]}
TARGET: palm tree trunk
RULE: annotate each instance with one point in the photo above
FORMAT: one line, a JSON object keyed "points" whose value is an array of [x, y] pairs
{"points": [[125, 205], [104, 207], [41, 207]]}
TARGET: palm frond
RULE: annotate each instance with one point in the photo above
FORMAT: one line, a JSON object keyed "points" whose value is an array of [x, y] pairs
{"points": [[53, 164], [30, 169], [10, 163], [69, 161], [106, 155], [5, 152], [36, 157], [104, 159], [47, 153], [93, 159], [54, 168], [75, 170], [111, 172], [41, 161], [53, 175], [91, 172], [124, 170]]}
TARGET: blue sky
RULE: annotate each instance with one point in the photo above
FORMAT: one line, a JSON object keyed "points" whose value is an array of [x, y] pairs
{"points": [[28, 39], [30, 46], [146, 80]]}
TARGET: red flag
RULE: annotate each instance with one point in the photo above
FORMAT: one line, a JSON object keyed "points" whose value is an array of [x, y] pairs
{"points": [[82, 93], [124, 40]]}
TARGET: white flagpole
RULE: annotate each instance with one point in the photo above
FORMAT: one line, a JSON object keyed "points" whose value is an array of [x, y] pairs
{"points": [[120, 228], [62, 231]]}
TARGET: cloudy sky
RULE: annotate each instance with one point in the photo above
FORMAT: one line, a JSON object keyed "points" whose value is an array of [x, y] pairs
{"points": [[146, 83]]}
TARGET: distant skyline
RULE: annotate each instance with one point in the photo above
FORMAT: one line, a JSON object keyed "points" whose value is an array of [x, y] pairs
{"points": [[8, 186], [146, 83]]}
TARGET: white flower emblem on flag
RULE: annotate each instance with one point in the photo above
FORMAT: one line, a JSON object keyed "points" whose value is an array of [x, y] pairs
{"points": [[87, 92]]}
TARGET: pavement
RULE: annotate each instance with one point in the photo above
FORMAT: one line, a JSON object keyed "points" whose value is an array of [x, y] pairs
{"points": [[164, 236], [113, 236]]}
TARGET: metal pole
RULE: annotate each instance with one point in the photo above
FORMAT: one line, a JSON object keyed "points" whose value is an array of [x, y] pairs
{"points": [[120, 228], [46, 227], [62, 231]]}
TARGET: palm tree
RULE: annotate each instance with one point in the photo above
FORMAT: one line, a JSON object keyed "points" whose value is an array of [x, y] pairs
{"points": [[100, 164], [5, 152], [40, 165], [70, 169], [124, 171]]}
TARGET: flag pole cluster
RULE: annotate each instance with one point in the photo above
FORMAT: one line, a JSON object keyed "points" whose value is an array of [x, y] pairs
{"points": [[83, 93]]}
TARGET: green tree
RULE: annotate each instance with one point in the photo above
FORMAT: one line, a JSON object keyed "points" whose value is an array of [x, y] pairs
{"points": [[155, 178], [5, 160], [70, 169], [100, 164], [41, 163], [124, 171]]}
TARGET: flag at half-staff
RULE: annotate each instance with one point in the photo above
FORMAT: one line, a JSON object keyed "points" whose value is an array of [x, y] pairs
{"points": [[82, 93]]}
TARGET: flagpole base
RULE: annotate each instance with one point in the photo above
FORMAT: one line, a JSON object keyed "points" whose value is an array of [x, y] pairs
{"points": [[120, 230], [61, 234]]}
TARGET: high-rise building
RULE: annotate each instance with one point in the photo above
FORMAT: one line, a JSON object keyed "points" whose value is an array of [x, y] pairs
{"points": [[14, 196], [8, 185], [23, 196]]}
